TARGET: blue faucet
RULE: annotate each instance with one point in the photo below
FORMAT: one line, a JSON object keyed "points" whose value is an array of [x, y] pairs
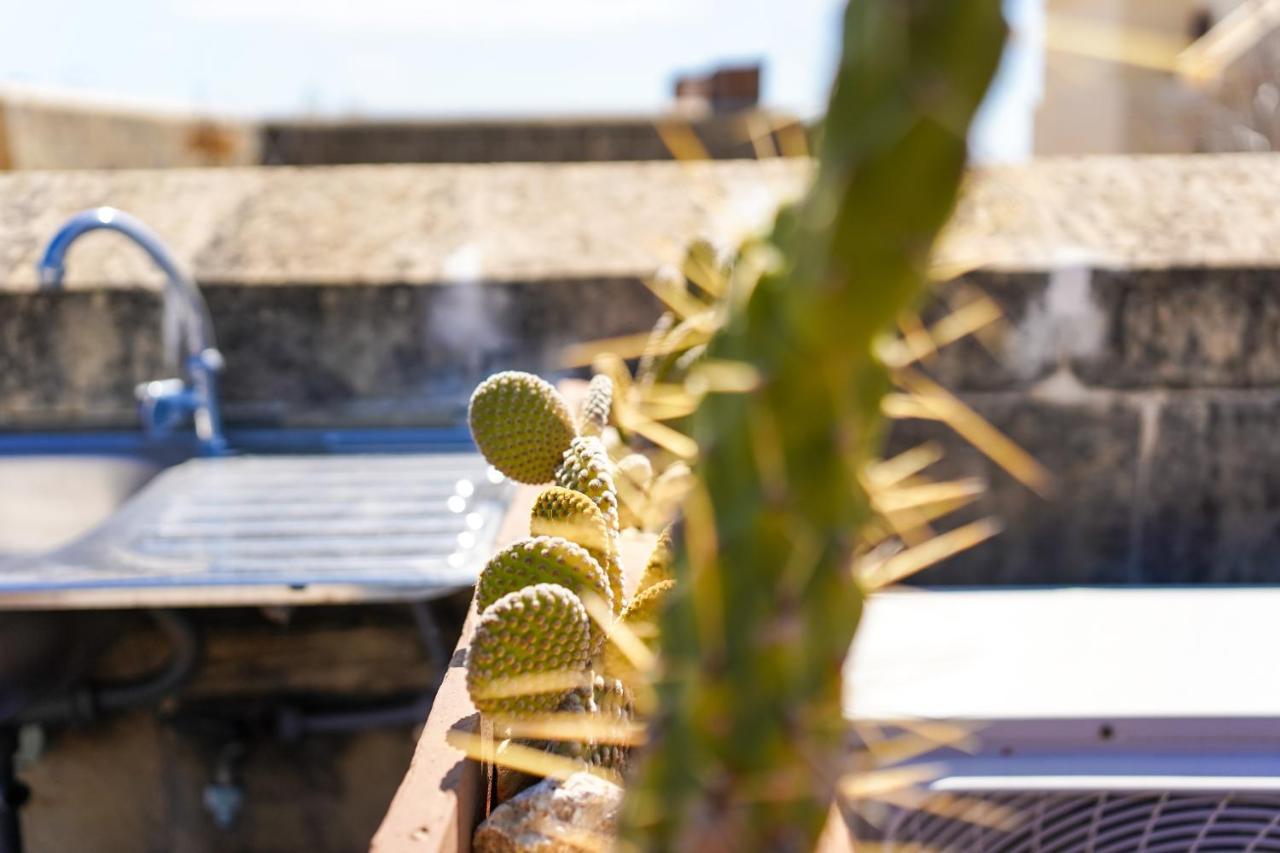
{"points": [[188, 330]]}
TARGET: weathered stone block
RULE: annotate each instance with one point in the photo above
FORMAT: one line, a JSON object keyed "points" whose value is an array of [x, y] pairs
{"points": [[348, 355], [74, 358], [1186, 327], [1016, 351], [1083, 532], [1213, 507]]}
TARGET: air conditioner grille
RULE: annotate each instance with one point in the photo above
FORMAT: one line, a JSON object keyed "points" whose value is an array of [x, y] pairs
{"points": [[1099, 822]]}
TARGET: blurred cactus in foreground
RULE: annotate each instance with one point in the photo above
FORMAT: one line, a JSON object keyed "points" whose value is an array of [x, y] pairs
{"points": [[749, 739]]}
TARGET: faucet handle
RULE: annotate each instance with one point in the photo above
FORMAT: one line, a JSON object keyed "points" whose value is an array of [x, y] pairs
{"points": [[164, 404], [210, 359]]}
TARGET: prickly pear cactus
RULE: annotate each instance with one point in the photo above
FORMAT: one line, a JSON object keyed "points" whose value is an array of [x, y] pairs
{"points": [[598, 404], [658, 568], [522, 426], [543, 559], [641, 618], [748, 741], [530, 651], [574, 516], [586, 467]]}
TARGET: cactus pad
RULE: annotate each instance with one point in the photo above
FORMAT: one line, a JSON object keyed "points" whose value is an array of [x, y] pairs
{"points": [[570, 515], [540, 560], [612, 704], [658, 568], [641, 617], [531, 648], [522, 425], [586, 468], [598, 405]]}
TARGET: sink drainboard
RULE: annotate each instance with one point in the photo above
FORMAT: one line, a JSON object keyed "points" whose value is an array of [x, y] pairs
{"points": [[393, 525]]}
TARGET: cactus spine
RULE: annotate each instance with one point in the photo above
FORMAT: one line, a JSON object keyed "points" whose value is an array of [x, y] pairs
{"points": [[749, 736]]}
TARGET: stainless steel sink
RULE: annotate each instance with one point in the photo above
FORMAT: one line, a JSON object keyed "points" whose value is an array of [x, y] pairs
{"points": [[294, 516], [49, 500]]}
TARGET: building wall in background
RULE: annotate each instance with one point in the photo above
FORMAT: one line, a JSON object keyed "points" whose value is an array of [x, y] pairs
{"points": [[40, 131], [1098, 106], [745, 134]]}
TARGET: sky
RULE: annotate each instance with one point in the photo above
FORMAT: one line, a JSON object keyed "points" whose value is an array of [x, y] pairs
{"points": [[385, 58]]}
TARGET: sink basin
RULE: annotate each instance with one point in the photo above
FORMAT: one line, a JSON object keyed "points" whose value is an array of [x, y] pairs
{"points": [[293, 516], [48, 500]]}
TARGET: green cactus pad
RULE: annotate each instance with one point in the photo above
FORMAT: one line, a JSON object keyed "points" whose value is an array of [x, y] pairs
{"points": [[645, 608], [612, 704], [570, 515], [530, 648], [598, 405], [658, 568], [544, 559], [574, 516], [586, 468], [641, 617], [522, 425]]}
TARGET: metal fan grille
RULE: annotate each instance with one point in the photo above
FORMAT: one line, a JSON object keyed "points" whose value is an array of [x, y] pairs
{"points": [[1099, 822]]}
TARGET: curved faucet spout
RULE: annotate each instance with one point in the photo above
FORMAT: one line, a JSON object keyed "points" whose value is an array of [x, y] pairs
{"points": [[188, 329], [52, 262], [186, 323]]}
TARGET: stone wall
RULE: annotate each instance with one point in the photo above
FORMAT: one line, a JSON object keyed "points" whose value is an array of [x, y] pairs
{"points": [[328, 143], [1139, 358], [40, 131]]}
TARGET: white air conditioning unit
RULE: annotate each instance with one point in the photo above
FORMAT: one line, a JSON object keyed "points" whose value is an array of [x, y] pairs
{"points": [[1098, 719]]}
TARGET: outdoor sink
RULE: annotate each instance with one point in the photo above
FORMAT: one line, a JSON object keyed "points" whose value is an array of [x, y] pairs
{"points": [[296, 516], [48, 500]]}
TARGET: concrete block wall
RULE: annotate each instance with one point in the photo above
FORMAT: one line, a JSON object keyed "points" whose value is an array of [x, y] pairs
{"points": [[1153, 397], [1139, 358], [566, 140]]}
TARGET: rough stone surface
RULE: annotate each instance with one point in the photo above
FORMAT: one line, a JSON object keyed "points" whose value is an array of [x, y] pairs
{"points": [[553, 817], [391, 224], [42, 130], [324, 143], [1081, 533], [523, 222], [1213, 511], [1121, 212], [304, 354], [1187, 328]]}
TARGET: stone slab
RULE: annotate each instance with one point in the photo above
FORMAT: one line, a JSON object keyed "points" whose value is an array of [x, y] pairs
{"points": [[300, 354], [1184, 327], [428, 223], [1213, 509], [1081, 534]]}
